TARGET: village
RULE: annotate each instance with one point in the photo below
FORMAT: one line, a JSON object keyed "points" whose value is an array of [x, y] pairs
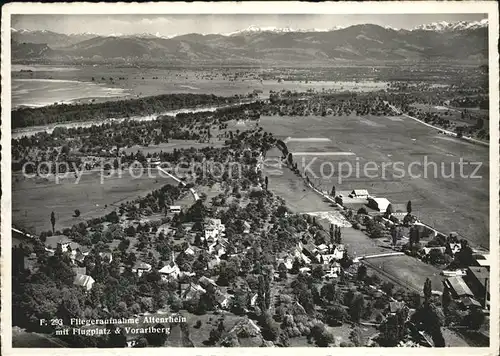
{"points": [[267, 276]]}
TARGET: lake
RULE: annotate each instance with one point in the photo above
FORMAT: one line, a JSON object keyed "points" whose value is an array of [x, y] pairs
{"points": [[42, 92]]}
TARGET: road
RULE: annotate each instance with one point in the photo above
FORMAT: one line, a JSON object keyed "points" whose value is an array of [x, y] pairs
{"points": [[451, 133], [193, 192]]}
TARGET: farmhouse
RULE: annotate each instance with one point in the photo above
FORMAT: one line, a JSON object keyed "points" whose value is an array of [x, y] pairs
{"points": [[53, 242], [458, 287], [84, 281], [379, 204], [359, 193]]}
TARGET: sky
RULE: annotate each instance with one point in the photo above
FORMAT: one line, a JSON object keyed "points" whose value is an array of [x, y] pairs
{"points": [[217, 23]]}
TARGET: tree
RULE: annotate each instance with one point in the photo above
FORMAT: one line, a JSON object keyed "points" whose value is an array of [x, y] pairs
{"points": [[389, 211], [362, 272], [336, 315], [282, 270], [53, 221], [157, 339], [318, 272], [321, 335], [408, 207], [77, 213], [391, 331], [474, 319], [333, 192], [356, 307], [427, 290], [446, 299]]}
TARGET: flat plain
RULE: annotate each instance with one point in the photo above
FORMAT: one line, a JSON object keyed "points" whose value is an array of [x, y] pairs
{"points": [[449, 204]]}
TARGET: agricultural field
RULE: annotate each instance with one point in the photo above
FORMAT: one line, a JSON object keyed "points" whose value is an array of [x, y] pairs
{"points": [[449, 204], [34, 199], [133, 82]]}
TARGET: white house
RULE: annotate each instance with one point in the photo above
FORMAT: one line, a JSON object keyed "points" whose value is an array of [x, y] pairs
{"points": [[246, 227], [85, 281], [52, 242], [379, 204], [170, 271], [141, 267]]}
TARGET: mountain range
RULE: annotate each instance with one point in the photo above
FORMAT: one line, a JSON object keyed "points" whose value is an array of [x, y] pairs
{"points": [[437, 41]]}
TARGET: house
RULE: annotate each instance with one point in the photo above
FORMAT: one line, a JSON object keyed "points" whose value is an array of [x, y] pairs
{"points": [[106, 256], [85, 281], [80, 270], [323, 248], [359, 193], [394, 307], [399, 210], [469, 302], [79, 254], [190, 291], [192, 250], [141, 267], [301, 256], [458, 287], [253, 300], [174, 209], [218, 249], [154, 162], [169, 271], [379, 204], [52, 242], [205, 282], [214, 229], [287, 261], [478, 280], [483, 260], [246, 227], [223, 299], [333, 272], [424, 231], [213, 262], [455, 247], [310, 250], [427, 250], [338, 253], [304, 270]]}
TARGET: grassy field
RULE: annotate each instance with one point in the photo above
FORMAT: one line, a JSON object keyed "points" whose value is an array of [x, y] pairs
{"points": [[34, 199], [140, 82], [450, 204]]}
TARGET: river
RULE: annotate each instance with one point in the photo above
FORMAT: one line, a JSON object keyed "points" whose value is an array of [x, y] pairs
{"points": [[32, 130]]}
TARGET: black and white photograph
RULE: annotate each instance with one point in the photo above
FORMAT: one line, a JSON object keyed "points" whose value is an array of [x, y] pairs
{"points": [[314, 177]]}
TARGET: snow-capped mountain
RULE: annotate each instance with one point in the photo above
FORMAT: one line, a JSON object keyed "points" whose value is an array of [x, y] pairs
{"points": [[456, 41], [444, 26], [258, 29]]}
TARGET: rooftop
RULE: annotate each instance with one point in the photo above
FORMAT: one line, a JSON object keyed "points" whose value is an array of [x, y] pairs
{"points": [[53, 241], [458, 285]]}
